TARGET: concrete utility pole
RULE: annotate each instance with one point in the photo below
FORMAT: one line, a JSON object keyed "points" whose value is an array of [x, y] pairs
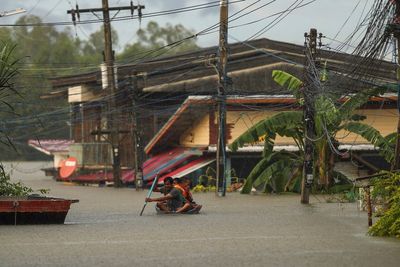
{"points": [[137, 132], [221, 99], [112, 123], [309, 112], [396, 32]]}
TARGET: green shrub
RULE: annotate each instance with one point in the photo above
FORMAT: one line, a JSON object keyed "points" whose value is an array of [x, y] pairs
{"points": [[387, 189], [10, 189], [202, 188]]}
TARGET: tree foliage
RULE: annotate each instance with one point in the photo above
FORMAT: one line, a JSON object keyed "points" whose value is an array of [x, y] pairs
{"points": [[154, 37], [387, 188]]}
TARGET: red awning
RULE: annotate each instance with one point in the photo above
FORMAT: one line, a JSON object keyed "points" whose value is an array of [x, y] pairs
{"points": [[164, 163], [189, 168]]}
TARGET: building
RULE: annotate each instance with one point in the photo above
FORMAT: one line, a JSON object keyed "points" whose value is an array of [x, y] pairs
{"points": [[164, 85]]}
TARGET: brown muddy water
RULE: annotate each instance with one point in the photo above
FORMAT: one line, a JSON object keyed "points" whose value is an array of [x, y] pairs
{"points": [[105, 229]]}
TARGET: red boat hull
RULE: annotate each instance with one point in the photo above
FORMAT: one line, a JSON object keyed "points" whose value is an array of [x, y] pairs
{"points": [[34, 211]]}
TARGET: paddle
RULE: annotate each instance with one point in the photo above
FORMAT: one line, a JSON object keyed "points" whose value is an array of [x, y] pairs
{"points": [[149, 193]]}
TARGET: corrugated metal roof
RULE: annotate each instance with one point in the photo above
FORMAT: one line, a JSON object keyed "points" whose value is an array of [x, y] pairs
{"points": [[50, 146]]}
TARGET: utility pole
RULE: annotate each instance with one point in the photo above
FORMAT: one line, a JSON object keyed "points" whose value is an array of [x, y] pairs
{"points": [[137, 132], [309, 112], [395, 28], [112, 122], [221, 99]]}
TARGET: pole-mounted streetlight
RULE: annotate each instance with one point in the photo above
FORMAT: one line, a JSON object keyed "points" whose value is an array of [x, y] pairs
{"points": [[12, 12]]}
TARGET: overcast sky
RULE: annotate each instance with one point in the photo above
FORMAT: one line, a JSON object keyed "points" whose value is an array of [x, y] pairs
{"points": [[327, 16]]}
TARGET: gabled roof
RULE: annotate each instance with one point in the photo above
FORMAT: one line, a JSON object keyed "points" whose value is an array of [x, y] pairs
{"points": [[249, 65]]}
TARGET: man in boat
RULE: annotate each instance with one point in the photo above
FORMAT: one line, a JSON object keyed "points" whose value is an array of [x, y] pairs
{"points": [[165, 189], [186, 185], [184, 188], [173, 201], [183, 184]]}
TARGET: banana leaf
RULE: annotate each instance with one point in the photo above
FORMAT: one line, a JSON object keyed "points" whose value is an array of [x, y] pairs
{"points": [[278, 172], [374, 137], [356, 101], [391, 138], [287, 80], [254, 174], [276, 162], [287, 123]]}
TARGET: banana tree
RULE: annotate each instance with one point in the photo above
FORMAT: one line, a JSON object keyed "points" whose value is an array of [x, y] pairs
{"points": [[283, 168]]}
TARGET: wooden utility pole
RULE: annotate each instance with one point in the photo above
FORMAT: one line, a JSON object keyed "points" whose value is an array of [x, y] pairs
{"points": [[112, 109], [137, 132], [309, 112], [396, 33], [221, 99]]}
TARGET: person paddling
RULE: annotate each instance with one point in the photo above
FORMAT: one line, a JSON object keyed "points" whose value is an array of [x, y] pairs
{"points": [[173, 201]]}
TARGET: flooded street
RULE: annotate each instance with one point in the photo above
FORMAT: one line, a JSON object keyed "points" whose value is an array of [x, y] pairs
{"points": [[105, 229]]}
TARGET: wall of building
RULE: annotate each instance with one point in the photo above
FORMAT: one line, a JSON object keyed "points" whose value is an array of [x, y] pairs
{"points": [[241, 121], [384, 120], [199, 134]]}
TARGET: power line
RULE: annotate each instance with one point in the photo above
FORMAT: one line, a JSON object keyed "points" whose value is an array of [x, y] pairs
{"points": [[133, 17]]}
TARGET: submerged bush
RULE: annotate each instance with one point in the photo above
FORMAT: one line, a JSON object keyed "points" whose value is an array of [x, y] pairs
{"points": [[8, 188], [18, 189], [387, 189]]}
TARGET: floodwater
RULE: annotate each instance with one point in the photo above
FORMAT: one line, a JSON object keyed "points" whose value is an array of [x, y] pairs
{"points": [[105, 229]]}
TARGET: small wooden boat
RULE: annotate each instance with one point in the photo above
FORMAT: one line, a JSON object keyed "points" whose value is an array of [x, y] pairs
{"points": [[195, 210], [34, 210]]}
